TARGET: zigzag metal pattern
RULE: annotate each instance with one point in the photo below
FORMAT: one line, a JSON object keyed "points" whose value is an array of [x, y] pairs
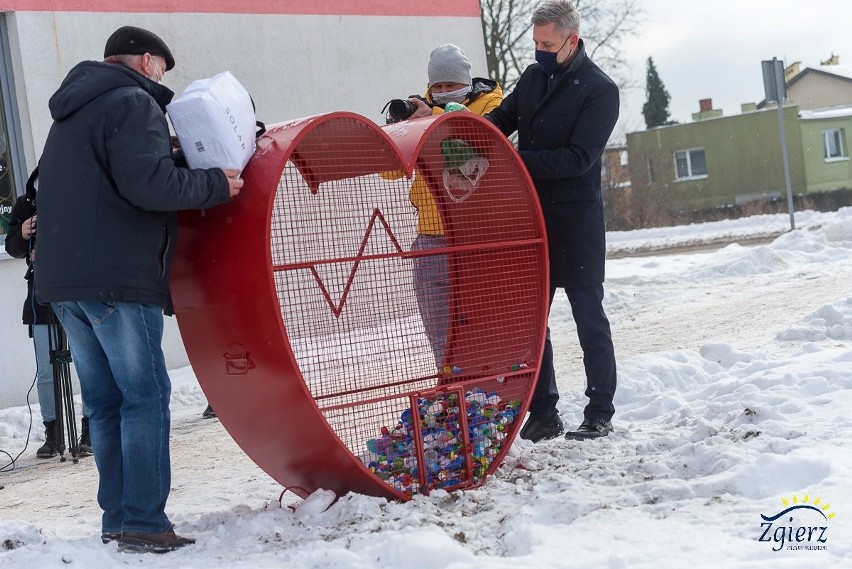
{"points": [[337, 308]]}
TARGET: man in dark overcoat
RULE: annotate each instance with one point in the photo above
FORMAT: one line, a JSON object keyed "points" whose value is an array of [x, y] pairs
{"points": [[564, 109]]}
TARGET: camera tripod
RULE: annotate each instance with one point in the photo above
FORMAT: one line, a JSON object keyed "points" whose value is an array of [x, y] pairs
{"points": [[60, 359]]}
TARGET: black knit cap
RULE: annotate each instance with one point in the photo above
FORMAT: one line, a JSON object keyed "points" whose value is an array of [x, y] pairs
{"points": [[130, 40]]}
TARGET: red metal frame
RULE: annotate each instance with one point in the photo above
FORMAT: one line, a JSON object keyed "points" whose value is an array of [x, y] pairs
{"points": [[305, 383]]}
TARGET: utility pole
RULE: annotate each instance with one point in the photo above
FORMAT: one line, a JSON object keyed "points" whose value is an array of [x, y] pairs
{"points": [[776, 90]]}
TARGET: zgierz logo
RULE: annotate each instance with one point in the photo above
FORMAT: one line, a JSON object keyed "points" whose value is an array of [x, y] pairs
{"points": [[800, 525]]}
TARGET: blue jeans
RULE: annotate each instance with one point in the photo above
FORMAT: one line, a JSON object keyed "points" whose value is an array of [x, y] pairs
{"points": [[44, 374], [119, 358]]}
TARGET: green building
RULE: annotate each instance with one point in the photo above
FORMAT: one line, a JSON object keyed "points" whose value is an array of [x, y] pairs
{"points": [[718, 161]]}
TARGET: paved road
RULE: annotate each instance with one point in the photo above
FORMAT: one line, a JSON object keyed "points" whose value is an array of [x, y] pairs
{"points": [[616, 253]]}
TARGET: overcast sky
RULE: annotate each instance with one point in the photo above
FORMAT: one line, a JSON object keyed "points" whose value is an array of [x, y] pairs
{"points": [[712, 50]]}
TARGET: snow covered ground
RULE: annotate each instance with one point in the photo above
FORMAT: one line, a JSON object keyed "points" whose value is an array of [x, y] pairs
{"points": [[734, 405]]}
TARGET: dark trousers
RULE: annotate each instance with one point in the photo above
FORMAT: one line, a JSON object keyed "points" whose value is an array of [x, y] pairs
{"points": [[598, 358]]}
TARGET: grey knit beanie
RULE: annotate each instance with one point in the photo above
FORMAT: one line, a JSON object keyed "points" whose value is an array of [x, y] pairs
{"points": [[448, 64]]}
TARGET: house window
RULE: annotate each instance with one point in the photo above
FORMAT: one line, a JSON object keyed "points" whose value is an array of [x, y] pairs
{"points": [[690, 164], [833, 143]]}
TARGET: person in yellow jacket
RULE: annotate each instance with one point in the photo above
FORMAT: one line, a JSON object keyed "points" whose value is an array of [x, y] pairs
{"points": [[449, 82]]}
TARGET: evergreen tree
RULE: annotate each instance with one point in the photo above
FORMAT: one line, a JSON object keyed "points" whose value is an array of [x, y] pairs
{"points": [[656, 107]]}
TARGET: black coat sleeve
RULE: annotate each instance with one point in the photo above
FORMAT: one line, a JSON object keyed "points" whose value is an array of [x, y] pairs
{"points": [[16, 245], [505, 116], [144, 171]]}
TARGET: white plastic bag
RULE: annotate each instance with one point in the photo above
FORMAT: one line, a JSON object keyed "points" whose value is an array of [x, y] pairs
{"points": [[215, 122]]}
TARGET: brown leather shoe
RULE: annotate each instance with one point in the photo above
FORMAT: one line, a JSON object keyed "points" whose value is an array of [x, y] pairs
{"points": [[138, 542], [110, 537]]}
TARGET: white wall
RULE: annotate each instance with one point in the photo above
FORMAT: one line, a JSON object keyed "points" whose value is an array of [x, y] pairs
{"points": [[17, 358], [293, 65], [17, 362]]}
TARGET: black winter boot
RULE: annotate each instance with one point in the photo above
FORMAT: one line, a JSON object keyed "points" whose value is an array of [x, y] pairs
{"points": [[536, 430], [48, 449], [84, 446], [209, 413]]}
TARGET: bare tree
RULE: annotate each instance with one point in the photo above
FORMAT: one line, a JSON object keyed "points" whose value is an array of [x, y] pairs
{"points": [[506, 29], [508, 37]]}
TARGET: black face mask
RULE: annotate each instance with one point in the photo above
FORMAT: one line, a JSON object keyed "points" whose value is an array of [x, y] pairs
{"points": [[547, 59]]}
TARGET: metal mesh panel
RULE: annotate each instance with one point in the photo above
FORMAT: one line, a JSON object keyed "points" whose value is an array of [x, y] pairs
{"points": [[350, 340], [341, 244]]}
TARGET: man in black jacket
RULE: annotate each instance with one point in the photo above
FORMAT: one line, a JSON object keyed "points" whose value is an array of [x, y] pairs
{"points": [[564, 109], [109, 191]]}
